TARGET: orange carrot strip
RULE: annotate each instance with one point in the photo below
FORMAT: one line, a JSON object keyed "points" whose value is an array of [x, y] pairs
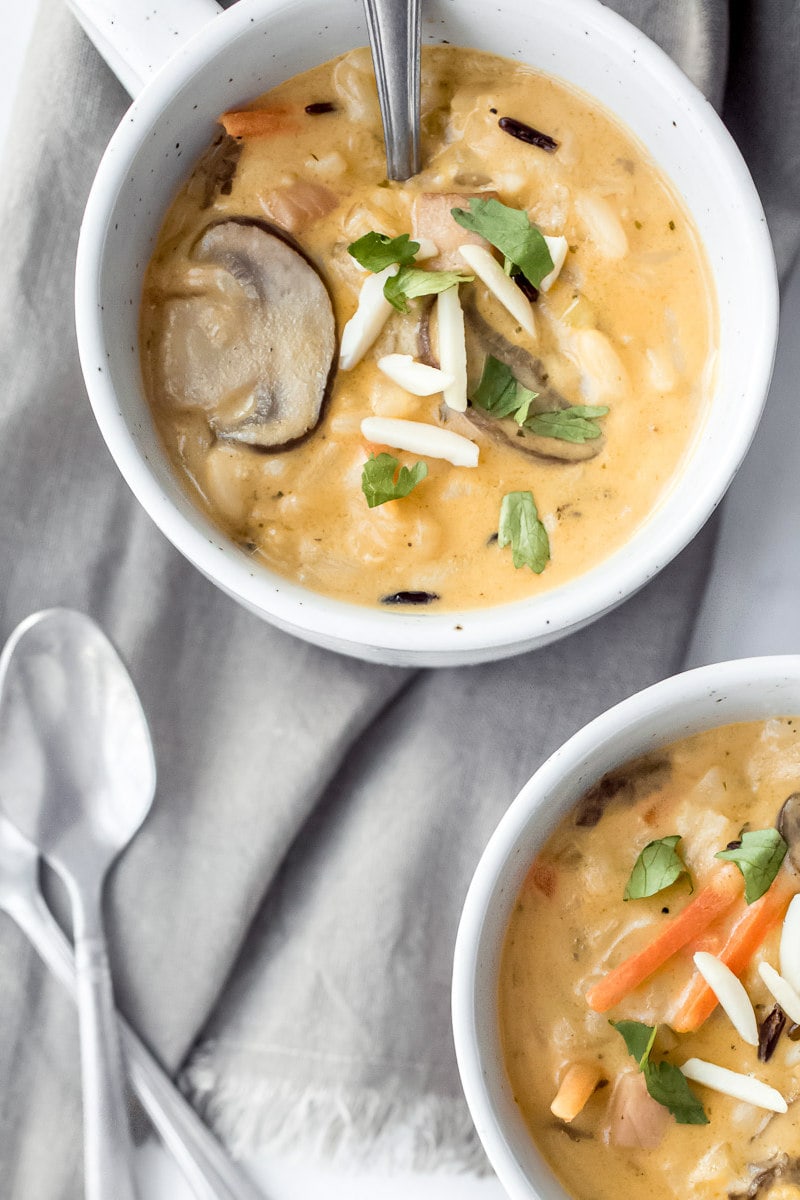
{"points": [[698, 1001], [257, 122], [710, 903]]}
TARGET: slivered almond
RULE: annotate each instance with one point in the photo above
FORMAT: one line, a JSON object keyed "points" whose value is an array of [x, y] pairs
{"points": [[789, 954], [416, 377], [368, 320], [732, 1083], [421, 438], [782, 991], [452, 347], [502, 286], [558, 247], [731, 994]]}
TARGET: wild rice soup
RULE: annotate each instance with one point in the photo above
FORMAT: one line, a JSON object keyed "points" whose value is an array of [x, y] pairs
{"points": [[565, 353], [640, 1064]]}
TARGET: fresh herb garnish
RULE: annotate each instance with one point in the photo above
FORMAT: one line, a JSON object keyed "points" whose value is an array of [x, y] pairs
{"points": [[376, 251], [510, 231], [411, 282], [758, 858], [638, 1039], [520, 526], [578, 423], [383, 479], [500, 393], [656, 868], [665, 1082]]}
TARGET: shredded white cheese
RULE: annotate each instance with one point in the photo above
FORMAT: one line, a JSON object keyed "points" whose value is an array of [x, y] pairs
{"points": [[558, 247], [368, 320], [789, 954], [416, 377], [420, 438], [452, 347], [732, 1083], [782, 991], [502, 286], [731, 994]]}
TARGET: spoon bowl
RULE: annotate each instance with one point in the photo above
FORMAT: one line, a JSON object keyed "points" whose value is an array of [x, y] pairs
{"points": [[77, 778], [77, 774]]}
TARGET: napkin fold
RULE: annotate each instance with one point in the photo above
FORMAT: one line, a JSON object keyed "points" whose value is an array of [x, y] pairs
{"points": [[282, 928]]}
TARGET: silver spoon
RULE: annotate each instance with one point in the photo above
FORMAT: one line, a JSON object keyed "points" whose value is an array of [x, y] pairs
{"points": [[394, 37], [77, 778], [205, 1165]]}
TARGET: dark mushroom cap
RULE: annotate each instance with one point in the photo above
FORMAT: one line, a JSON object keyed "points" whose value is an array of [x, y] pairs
{"points": [[283, 315], [788, 824]]}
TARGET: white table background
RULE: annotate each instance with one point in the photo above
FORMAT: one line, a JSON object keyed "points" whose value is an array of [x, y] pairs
{"points": [[281, 1180]]}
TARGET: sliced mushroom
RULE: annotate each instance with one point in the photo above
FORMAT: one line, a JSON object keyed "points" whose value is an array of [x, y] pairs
{"points": [[509, 432], [788, 825], [216, 170], [764, 1175], [483, 338], [284, 347]]}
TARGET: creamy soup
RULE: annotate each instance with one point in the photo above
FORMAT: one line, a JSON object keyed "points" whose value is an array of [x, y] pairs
{"points": [[579, 955], [568, 372]]}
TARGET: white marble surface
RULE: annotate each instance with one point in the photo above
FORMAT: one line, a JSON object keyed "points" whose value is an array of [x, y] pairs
{"points": [[280, 1180]]}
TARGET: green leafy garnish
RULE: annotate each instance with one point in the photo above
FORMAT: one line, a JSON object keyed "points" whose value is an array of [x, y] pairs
{"points": [[665, 1082], [510, 231], [410, 282], [376, 251], [758, 857], [383, 479], [638, 1039], [575, 424], [656, 868], [500, 394], [520, 526]]}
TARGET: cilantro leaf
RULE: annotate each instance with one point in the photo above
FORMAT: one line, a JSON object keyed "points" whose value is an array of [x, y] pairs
{"points": [[384, 479], [509, 230], [520, 526], [656, 868], [375, 251], [758, 858], [500, 393], [638, 1039], [410, 282], [578, 423], [667, 1084]]}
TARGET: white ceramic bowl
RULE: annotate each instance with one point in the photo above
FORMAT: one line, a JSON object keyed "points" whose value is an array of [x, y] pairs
{"points": [[745, 690], [253, 46]]}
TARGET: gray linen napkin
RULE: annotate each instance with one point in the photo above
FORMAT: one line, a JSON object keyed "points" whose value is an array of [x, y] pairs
{"points": [[283, 927]]}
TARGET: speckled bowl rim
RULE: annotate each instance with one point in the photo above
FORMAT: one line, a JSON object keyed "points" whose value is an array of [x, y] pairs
{"points": [[703, 698], [426, 638]]}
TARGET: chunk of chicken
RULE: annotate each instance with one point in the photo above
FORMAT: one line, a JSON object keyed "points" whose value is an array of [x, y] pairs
{"points": [[298, 205], [635, 1119], [432, 219]]}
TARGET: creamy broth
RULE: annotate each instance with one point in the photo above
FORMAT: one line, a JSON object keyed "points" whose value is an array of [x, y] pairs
{"points": [[571, 926], [629, 324]]}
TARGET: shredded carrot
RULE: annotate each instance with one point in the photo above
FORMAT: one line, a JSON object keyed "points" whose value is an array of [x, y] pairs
{"points": [[576, 1087], [257, 122], [710, 903], [698, 1001]]}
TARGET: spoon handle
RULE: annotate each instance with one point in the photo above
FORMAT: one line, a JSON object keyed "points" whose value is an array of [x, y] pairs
{"points": [[394, 36], [106, 1134], [208, 1170]]}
